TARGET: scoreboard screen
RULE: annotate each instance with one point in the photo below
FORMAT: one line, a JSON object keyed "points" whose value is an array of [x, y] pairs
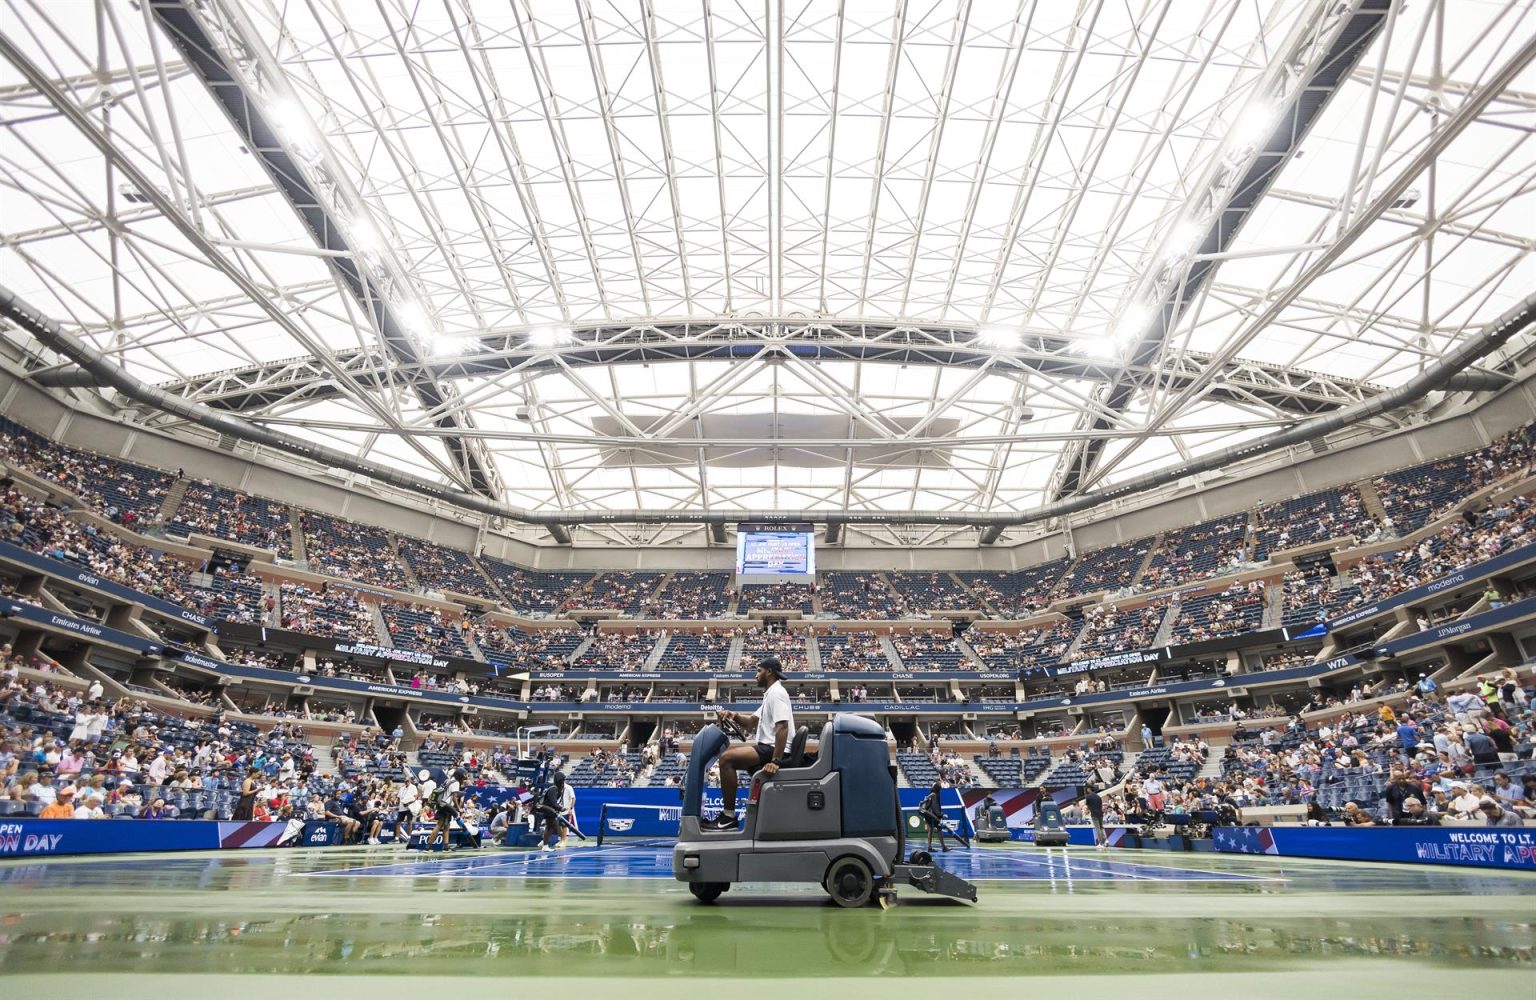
{"points": [[775, 553]]}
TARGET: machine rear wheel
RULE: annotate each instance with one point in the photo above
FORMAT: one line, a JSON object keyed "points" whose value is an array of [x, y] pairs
{"points": [[707, 892], [849, 882], [921, 858]]}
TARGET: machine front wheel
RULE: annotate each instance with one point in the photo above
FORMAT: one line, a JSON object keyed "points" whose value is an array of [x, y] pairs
{"points": [[849, 882], [707, 892]]}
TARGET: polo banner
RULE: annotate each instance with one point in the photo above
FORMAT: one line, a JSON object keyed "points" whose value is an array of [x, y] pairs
{"points": [[1474, 846]]}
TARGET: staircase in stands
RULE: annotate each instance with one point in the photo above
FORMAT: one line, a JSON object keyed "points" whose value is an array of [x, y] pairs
{"points": [[172, 501]]}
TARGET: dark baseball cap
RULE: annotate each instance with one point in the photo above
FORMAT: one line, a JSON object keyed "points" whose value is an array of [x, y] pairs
{"points": [[772, 665]]}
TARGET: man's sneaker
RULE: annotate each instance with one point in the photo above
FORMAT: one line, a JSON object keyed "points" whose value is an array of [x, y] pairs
{"points": [[720, 822]]}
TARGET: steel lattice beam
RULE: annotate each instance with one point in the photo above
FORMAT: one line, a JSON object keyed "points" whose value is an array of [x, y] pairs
{"points": [[244, 108], [1344, 40], [259, 387]]}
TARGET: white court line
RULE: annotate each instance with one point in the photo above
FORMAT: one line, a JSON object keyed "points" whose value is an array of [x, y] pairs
{"points": [[1226, 876], [485, 863]]}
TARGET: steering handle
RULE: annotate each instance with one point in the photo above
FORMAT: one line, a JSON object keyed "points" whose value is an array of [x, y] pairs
{"points": [[729, 727]]}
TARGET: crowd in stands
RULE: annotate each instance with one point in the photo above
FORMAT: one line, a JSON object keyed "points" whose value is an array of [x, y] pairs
{"points": [[859, 595], [325, 610], [1314, 593], [532, 591], [1021, 594], [931, 591], [776, 597], [1238, 609], [440, 568], [210, 509], [352, 551], [1108, 629], [1029, 649], [851, 651], [631, 592], [1316, 517], [1197, 552], [694, 596], [1431, 759], [618, 651], [930, 651], [128, 494], [423, 628], [76, 754], [1413, 497], [49, 531], [701, 651], [788, 646], [1480, 535], [1113, 568]]}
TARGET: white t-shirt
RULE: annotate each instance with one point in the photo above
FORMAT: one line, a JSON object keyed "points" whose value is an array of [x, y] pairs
{"points": [[775, 709]]}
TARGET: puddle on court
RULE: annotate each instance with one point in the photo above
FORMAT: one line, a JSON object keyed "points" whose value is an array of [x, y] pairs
{"points": [[252, 914], [741, 941]]}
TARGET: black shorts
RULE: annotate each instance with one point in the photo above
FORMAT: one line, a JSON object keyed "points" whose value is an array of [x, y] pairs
{"points": [[764, 754]]}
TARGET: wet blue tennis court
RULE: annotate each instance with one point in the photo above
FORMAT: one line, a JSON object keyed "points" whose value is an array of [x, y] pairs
{"points": [[654, 861]]}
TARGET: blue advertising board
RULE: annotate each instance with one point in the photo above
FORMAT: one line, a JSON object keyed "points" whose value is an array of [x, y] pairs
{"points": [[1472, 574], [1480, 847], [78, 626], [57, 837], [85, 578], [1492, 618]]}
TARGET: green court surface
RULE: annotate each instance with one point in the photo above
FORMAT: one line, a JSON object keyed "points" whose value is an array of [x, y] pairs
{"points": [[234, 924]]}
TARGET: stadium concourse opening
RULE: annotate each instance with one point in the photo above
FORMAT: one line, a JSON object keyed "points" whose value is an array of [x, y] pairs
{"points": [[1082, 454]]}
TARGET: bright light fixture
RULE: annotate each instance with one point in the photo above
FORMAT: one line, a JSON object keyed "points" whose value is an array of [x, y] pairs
{"points": [[412, 317], [288, 117], [447, 345], [1185, 239], [1254, 125], [1006, 337], [366, 237], [1132, 323], [549, 336]]}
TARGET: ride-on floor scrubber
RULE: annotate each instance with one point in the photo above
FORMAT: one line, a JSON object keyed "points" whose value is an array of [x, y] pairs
{"points": [[832, 817]]}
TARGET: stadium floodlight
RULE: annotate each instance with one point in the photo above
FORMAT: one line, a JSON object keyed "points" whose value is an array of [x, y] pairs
{"points": [[1005, 337], [550, 336]]}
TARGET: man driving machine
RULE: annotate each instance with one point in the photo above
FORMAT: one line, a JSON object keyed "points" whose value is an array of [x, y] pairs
{"points": [[775, 722], [555, 807]]}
